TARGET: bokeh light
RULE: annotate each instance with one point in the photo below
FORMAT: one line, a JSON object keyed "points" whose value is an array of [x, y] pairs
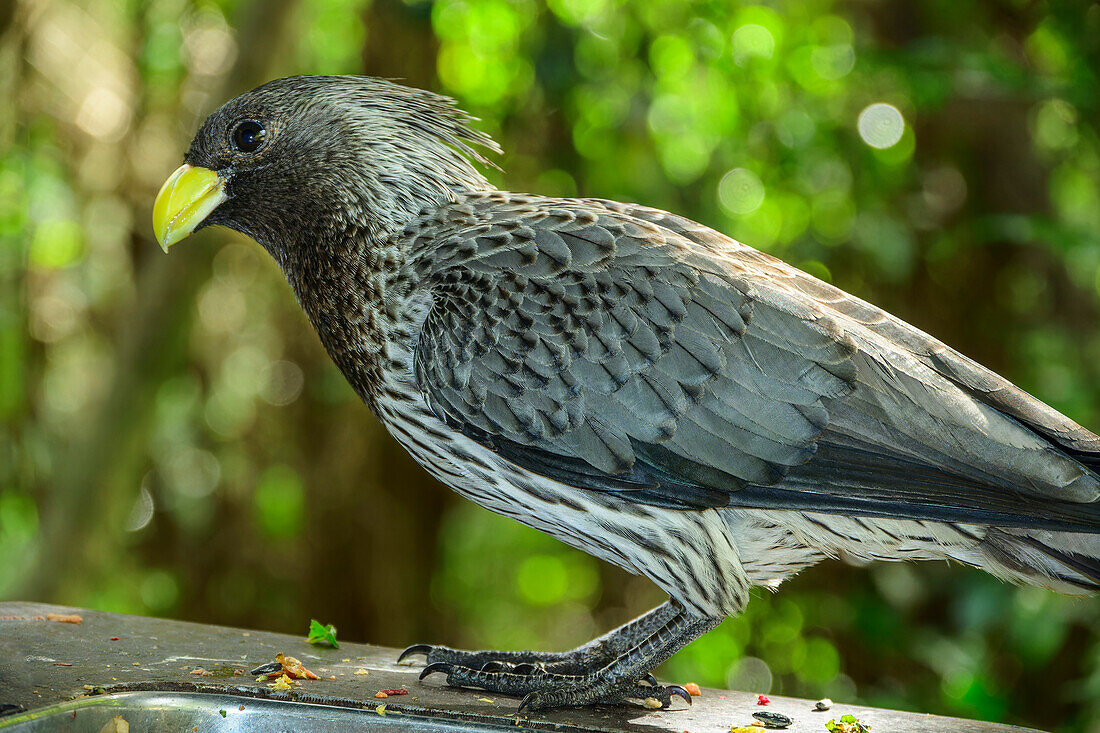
{"points": [[881, 125]]}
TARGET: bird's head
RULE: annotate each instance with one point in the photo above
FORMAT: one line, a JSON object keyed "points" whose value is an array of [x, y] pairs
{"points": [[304, 158]]}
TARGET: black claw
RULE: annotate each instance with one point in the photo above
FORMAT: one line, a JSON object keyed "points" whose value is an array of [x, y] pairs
{"points": [[677, 690], [436, 667], [414, 649], [650, 679], [527, 700], [492, 666]]}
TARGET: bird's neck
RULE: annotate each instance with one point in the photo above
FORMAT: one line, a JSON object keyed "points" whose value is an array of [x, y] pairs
{"points": [[350, 284]]}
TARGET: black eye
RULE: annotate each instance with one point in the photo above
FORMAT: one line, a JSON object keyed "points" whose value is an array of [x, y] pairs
{"points": [[249, 136]]}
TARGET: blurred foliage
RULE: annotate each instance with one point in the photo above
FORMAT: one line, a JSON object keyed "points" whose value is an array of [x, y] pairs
{"points": [[175, 442]]}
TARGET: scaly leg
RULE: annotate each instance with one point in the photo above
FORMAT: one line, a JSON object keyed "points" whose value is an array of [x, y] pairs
{"points": [[614, 681]]}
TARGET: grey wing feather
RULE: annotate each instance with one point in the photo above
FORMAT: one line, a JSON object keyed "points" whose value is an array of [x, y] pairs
{"points": [[627, 349]]}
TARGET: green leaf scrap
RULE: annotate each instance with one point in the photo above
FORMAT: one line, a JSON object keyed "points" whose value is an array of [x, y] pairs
{"points": [[848, 724], [321, 634]]}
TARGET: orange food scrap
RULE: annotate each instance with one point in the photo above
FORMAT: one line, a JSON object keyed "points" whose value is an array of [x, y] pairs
{"points": [[381, 695], [292, 668], [202, 671], [693, 689], [61, 618]]}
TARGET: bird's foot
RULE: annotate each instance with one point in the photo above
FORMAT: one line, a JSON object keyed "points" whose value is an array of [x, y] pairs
{"points": [[543, 690], [612, 669]]}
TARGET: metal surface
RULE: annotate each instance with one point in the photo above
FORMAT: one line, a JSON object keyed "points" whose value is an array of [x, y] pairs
{"points": [[214, 713], [171, 675]]}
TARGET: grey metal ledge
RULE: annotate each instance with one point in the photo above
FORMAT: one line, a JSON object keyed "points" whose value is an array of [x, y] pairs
{"points": [[144, 669]]}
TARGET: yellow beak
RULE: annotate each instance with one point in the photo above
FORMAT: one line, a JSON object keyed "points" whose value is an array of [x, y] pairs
{"points": [[185, 199]]}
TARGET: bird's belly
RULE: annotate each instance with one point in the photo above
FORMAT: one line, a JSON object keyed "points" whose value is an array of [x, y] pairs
{"points": [[689, 554]]}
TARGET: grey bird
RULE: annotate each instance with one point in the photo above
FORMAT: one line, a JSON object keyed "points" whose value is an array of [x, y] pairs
{"points": [[633, 383]]}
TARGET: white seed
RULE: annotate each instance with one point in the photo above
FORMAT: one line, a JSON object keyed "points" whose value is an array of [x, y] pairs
{"points": [[823, 704]]}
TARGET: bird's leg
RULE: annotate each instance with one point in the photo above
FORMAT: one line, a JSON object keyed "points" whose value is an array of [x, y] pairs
{"points": [[615, 681], [595, 653]]}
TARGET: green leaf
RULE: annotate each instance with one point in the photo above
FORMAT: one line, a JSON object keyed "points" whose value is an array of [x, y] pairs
{"points": [[321, 634]]}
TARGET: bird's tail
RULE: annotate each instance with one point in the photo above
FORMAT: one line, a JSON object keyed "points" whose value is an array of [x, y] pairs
{"points": [[1067, 562]]}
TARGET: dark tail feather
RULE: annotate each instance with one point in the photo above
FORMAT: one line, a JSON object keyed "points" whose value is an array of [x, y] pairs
{"points": [[1085, 566], [1061, 561]]}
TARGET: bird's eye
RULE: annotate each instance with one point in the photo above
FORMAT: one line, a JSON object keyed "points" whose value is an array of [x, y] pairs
{"points": [[249, 136]]}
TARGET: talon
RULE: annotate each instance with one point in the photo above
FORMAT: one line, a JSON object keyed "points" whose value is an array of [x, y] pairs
{"points": [[436, 667], [492, 666], [414, 649], [527, 700], [677, 690], [650, 679]]}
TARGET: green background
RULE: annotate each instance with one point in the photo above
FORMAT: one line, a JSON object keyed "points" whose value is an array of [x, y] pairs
{"points": [[176, 443]]}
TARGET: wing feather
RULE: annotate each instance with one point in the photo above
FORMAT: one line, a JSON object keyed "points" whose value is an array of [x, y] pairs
{"points": [[619, 348]]}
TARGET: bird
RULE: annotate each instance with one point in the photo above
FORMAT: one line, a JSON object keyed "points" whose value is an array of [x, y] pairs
{"points": [[631, 382]]}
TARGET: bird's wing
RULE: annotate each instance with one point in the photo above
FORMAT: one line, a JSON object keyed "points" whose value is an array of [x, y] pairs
{"points": [[622, 349]]}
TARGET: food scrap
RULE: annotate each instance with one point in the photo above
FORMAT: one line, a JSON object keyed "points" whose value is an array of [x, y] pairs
{"points": [[202, 672], [321, 634], [773, 720], [381, 695], [652, 703], [763, 700], [486, 699], [282, 684], [847, 724], [395, 691], [116, 724], [361, 671], [223, 713], [742, 729], [264, 669], [61, 618], [283, 665], [693, 689], [114, 638], [823, 704], [381, 710], [294, 668]]}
